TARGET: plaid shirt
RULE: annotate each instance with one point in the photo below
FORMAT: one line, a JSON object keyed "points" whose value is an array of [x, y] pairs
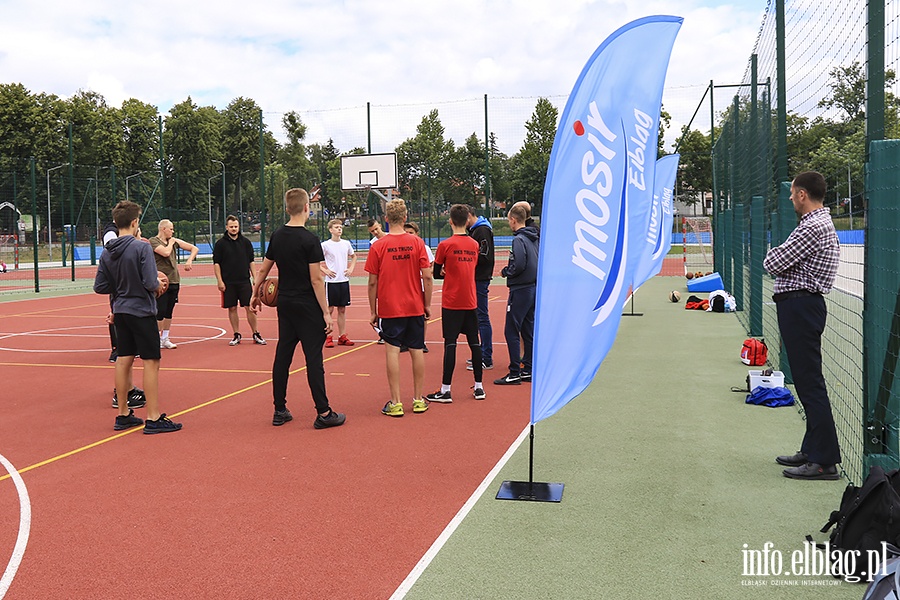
{"points": [[808, 259]]}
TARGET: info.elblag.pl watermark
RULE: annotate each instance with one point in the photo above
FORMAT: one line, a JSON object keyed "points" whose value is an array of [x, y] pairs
{"points": [[769, 566]]}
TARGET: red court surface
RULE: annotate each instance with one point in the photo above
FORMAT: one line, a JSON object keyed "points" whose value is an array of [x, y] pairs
{"points": [[231, 507]]}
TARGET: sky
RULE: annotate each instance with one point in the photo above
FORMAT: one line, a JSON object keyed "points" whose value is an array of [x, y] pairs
{"points": [[327, 58]]}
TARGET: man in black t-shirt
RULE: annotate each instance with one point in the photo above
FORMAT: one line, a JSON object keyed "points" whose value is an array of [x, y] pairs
{"points": [[303, 313], [233, 266]]}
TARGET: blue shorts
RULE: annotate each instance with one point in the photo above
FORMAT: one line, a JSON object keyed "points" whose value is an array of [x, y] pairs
{"points": [[403, 331]]}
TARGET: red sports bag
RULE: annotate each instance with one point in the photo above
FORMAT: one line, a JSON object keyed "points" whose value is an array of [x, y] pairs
{"points": [[754, 352]]}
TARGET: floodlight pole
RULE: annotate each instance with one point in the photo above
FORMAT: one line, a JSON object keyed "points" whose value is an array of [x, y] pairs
{"points": [[224, 206], [49, 235], [209, 191], [127, 197]]}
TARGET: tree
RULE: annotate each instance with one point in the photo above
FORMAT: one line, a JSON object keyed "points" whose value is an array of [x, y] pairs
{"points": [[695, 165], [423, 161], [240, 146], [96, 129], [140, 135], [531, 163], [665, 121], [467, 172], [193, 138], [848, 90]]}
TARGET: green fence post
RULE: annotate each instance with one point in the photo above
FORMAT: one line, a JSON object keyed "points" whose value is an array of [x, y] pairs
{"points": [[34, 227], [737, 249], [728, 254], [881, 315], [93, 251], [757, 254], [787, 216]]}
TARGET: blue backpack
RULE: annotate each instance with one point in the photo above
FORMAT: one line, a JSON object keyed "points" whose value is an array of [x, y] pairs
{"points": [[886, 583]]}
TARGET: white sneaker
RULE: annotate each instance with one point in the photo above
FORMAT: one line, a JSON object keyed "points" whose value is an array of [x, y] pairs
{"points": [[167, 344]]}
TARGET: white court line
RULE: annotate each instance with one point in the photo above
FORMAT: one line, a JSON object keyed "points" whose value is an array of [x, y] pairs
{"points": [[24, 528], [49, 333], [423, 563]]}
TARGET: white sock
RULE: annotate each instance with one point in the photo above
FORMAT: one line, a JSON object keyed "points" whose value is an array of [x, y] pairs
{"points": [[478, 385], [165, 334], [445, 388]]}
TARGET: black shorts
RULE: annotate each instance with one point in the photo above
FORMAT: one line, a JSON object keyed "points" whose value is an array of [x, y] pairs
{"points": [[338, 294], [455, 322], [237, 292], [403, 331], [165, 304], [137, 336]]}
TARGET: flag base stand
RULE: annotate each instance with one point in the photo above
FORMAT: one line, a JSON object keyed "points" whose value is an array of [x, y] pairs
{"points": [[632, 313], [530, 490]]}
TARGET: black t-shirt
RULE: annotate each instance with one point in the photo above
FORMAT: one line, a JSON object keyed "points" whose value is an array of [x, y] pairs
{"points": [[234, 258], [293, 249]]}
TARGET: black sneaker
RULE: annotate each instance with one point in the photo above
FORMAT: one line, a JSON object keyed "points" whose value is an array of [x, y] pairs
{"points": [[509, 379], [136, 398], [332, 419], [113, 356], [425, 349], [161, 425], [525, 376], [235, 340], [258, 339], [484, 366], [127, 421], [439, 396], [281, 417]]}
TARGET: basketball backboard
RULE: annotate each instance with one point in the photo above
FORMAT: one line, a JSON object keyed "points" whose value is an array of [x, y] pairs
{"points": [[377, 171]]}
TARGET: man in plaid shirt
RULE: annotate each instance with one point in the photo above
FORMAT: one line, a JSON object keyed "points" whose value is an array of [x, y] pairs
{"points": [[804, 267]]}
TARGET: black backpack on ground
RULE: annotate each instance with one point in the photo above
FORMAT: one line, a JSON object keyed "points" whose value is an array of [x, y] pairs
{"points": [[868, 516]]}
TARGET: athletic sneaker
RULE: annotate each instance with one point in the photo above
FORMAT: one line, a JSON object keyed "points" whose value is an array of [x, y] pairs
{"points": [[258, 339], [525, 376], [161, 425], [329, 342], [136, 398], [332, 419], [484, 366], [113, 356], [235, 340], [344, 341], [425, 349], [167, 344], [509, 379], [420, 406], [380, 342], [440, 397], [281, 417], [127, 421], [393, 410], [479, 393]]}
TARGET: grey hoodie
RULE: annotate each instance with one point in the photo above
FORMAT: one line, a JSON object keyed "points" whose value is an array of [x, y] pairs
{"points": [[127, 272]]}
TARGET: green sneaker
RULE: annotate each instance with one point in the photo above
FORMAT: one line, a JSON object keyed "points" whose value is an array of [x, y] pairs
{"points": [[420, 406], [394, 410]]}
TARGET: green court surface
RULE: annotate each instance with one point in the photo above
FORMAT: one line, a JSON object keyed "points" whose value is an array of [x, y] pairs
{"points": [[667, 473]]}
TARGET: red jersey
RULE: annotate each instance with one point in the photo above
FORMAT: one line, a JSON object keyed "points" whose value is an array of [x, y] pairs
{"points": [[459, 255], [398, 261]]}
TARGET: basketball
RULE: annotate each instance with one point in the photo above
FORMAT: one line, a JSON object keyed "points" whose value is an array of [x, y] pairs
{"points": [[268, 293], [163, 283], [674, 296], [689, 275]]}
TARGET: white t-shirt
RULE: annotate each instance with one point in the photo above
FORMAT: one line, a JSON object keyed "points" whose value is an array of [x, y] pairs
{"points": [[337, 257]]}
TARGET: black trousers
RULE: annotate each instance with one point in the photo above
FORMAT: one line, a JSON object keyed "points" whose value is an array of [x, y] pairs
{"points": [[801, 321], [299, 322]]}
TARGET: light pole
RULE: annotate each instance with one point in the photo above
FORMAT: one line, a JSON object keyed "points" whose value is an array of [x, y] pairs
{"points": [[49, 236], [240, 193], [209, 191], [127, 197], [224, 206]]}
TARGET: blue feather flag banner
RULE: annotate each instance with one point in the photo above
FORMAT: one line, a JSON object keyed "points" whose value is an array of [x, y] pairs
{"points": [[658, 237], [597, 199]]}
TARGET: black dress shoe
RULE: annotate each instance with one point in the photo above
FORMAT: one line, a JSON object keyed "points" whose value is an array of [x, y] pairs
{"points": [[813, 471], [797, 460]]}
